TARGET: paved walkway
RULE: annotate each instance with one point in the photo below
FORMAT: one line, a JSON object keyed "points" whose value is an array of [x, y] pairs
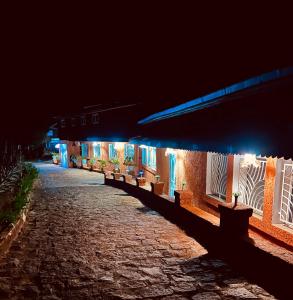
{"points": [[85, 240]]}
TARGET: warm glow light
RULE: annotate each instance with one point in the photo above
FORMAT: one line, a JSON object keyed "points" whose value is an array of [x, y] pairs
{"points": [[250, 160], [118, 146], [57, 146], [170, 151], [142, 146], [95, 143]]}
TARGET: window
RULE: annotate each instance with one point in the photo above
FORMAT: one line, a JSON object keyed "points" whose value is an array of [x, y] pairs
{"points": [[149, 157], [217, 175], [249, 180], [95, 118], [83, 120], [84, 150], [97, 150], [152, 161], [112, 151], [144, 156], [129, 151]]}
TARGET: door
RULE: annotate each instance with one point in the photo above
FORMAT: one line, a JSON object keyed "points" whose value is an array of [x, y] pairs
{"points": [[172, 174], [63, 154]]}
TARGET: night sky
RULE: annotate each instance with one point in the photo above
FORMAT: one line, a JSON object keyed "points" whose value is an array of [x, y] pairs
{"points": [[57, 61]]}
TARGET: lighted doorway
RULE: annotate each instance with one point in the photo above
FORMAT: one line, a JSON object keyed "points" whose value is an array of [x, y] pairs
{"points": [[172, 174], [63, 154]]}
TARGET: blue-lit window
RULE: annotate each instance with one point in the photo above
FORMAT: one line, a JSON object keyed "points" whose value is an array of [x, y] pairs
{"points": [[144, 156], [112, 151], [84, 150], [148, 157], [152, 161], [97, 150], [129, 151]]}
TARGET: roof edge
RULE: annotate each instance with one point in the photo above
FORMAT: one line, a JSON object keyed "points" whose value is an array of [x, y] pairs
{"points": [[217, 96]]}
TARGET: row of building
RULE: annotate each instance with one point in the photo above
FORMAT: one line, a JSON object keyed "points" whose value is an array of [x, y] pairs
{"points": [[235, 141]]}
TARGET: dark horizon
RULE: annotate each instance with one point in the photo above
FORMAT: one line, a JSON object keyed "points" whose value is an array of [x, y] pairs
{"points": [[58, 69]]}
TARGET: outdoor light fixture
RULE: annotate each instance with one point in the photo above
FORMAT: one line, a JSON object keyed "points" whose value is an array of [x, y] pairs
{"points": [[250, 160], [170, 151], [143, 146], [95, 143], [57, 146], [118, 146]]}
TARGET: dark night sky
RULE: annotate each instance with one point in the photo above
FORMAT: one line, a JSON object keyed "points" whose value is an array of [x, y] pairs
{"points": [[58, 61]]}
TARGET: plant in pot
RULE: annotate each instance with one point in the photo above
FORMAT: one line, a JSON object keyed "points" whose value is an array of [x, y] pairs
{"points": [[236, 195], [73, 160], [157, 186], [103, 164], [79, 161], [116, 170], [55, 157], [129, 163], [140, 180], [92, 162], [115, 162]]}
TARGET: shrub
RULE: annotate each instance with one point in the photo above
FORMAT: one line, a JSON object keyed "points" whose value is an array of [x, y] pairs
{"points": [[29, 174]]}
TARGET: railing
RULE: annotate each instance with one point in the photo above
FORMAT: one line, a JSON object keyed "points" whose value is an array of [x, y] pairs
{"points": [[219, 175], [251, 185], [286, 207]]}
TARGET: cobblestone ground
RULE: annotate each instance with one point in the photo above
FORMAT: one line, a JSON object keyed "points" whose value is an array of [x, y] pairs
{"points": [[84, 240]]}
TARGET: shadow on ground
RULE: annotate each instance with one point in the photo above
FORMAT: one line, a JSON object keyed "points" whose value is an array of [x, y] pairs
{"points": [[258, 266]]}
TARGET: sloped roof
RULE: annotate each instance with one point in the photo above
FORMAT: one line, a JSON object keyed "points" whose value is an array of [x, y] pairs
{"points": [[218, 96]]}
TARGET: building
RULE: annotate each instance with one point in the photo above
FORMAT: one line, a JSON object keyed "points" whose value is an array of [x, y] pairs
{"points": [[235, 140]]}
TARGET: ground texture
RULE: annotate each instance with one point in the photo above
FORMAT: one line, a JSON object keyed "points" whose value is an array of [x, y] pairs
{"points": [[85, 240]]}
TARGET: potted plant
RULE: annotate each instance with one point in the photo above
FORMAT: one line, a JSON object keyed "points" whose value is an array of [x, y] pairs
{"points": [[55, 157], [116, 163], [140, 180], [183, 196], [129, 163], [116, 169], [157, 186], [92, 162], [73, 160], [234, 217], [236, 195], [103, 164], [79, 161]]}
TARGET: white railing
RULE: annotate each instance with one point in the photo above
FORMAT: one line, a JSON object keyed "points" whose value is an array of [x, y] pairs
{"points": [[251, 185], [219, 175], [286, 206]]}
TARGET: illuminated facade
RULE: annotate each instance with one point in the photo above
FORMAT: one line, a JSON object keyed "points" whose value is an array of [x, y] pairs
{"points": [[221, 145]]}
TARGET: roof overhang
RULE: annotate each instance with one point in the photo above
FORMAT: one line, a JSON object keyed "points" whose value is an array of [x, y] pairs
{"points": [[220, 96]]}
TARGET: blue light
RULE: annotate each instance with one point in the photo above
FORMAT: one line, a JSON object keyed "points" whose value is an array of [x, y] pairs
{"points": [[217, 96]]}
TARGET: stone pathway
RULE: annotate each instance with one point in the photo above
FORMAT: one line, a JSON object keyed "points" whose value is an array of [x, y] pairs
{"points": [[84, 240]]}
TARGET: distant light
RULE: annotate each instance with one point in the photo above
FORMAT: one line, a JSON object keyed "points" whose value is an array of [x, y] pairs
{"points": [[250, 160], [57, 146], [170, 151], [55, 139], [118, 146], [50, 133]]}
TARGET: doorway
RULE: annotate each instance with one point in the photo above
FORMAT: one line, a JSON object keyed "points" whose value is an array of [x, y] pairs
{"points": [[172, 174], [63, 154]]}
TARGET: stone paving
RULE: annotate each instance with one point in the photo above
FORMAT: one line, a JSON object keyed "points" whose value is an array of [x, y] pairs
{"points": [[85, 240]]}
